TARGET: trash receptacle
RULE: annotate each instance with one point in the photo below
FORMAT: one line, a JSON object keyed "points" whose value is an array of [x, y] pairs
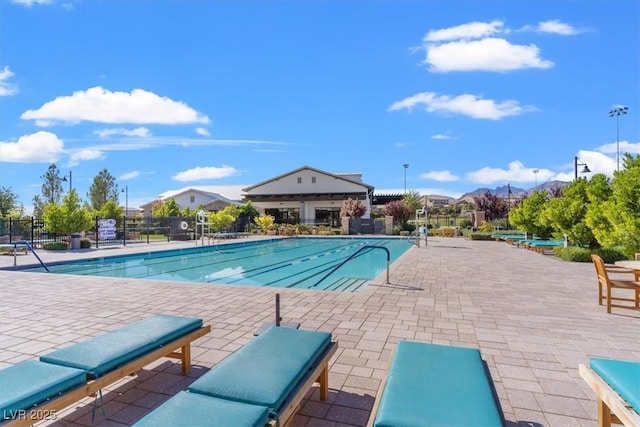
{"points": [[75, 241]]}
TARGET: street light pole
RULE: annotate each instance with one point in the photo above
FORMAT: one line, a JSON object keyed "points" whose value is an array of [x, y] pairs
{"points": [[617, 111], [64, 178], [575, 167], [406, 166], [125, 190], [535, 173]]}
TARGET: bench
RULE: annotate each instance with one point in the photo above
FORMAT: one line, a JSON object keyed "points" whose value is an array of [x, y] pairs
{"points": [[33, 389], [263, 382], [436, 385], [13, 248], [617, 387]]}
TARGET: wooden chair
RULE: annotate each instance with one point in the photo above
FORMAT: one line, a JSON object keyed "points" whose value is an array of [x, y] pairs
{"points": [[607, 284]]}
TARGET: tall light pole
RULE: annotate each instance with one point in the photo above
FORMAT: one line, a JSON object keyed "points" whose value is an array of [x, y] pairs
{"points": [[575, 167], [535, 173], [125, 190], [617, 111], [405, 166], [70, 176]]}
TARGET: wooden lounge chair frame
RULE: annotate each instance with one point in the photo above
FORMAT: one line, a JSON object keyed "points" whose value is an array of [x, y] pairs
{"points": [[611, 407], [608, 284], [319, 374], [179, 348]]}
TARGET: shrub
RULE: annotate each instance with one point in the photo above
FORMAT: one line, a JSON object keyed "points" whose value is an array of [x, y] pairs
{"points": [[55, 246], [611, 255], [577, 254], [478, 235], [85, 244], [573, 254]]}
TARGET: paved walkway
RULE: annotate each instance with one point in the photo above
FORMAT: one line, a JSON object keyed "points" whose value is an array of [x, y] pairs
{"points": [[533, 317]]}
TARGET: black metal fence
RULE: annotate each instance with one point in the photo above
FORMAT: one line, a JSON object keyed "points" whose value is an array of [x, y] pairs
{"points": [[105, 231]]}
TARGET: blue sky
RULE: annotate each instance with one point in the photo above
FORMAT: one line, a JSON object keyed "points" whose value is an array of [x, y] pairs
{"points": [[167, 94]]}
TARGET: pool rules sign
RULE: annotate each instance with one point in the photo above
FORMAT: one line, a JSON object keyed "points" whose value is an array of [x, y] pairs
{"points": [[107, 229]]}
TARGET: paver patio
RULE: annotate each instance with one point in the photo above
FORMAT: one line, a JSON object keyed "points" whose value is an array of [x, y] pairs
{"points": [[533, 317]]}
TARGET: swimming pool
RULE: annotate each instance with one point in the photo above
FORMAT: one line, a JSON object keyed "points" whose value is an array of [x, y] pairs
{"points": [[303, 262]]}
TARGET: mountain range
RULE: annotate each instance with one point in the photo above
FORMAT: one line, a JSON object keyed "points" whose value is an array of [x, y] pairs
{"points": [[503, 191]]}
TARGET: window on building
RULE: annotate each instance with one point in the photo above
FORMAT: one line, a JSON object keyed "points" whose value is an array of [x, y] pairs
{"points": [[192, 199], [313, 179], [284, 215], [299, 180], [328, 216]]}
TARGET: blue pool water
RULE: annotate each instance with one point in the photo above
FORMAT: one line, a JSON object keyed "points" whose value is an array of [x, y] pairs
{"points": [[286, 263]]}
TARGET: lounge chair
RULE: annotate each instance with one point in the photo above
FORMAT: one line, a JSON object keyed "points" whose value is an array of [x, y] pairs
{"points": [[617, 387], [34, 389], [606, 285], [436, 385], [262, 382]]}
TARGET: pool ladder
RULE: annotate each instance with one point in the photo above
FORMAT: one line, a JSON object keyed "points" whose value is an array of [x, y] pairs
{"points": [[353, 255], [33, 251]]}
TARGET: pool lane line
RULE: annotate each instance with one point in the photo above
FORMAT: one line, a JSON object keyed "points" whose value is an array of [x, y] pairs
{"points": [[257, 271]]}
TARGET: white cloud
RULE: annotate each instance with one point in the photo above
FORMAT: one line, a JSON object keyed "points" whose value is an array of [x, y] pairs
{"points": [[441, 176], [87, 155], [468, 105], [625, 147], [404, 144], [203, 132], [141, 132], [516, 172], [202, 173], [103, 106], [30, 3], [490, 54], [442, 136], [39, 147], [129, 175], [6, 88], [472, 30], [554, 27]]}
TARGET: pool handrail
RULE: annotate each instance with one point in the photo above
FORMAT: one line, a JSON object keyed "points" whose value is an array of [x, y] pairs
{"points": [[352, 256], [33, 251]]}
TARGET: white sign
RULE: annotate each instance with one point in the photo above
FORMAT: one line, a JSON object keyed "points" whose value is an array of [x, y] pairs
{"points": [[107, 229]]}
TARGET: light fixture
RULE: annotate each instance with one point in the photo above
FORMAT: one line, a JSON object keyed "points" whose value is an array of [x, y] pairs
{"points": [[575, 167]]}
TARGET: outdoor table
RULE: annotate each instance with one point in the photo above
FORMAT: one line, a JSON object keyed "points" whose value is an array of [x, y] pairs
{"points": [[633, 265]]}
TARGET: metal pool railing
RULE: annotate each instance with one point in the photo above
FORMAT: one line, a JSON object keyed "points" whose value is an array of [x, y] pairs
{"points": [[353, 256]]}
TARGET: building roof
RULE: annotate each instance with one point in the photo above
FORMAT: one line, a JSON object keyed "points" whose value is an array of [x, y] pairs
{"points": [[345, 177]]}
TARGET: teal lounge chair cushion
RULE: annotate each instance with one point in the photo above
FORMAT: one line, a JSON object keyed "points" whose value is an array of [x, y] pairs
{"points": [[623, 376], [266, 370], [103, 353], [437, 385], [31, 382], [197, 410]]}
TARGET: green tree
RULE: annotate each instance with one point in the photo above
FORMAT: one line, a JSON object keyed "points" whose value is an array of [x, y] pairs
{"points": [[527, 215], [69, 217], [8, 201], [221, 220], [38, 206], [103, 189], [52, 185], [598, 192], [412, 200], [622, 210], [111, 209], [566, 214], [167, 208]]}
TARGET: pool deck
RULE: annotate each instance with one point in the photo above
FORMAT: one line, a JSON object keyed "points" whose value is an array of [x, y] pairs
{"points": [[533, 317]]}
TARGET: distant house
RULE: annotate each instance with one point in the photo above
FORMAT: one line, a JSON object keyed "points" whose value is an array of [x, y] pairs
{"points": [[308, 195], [193, 198], [435, 201]]}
